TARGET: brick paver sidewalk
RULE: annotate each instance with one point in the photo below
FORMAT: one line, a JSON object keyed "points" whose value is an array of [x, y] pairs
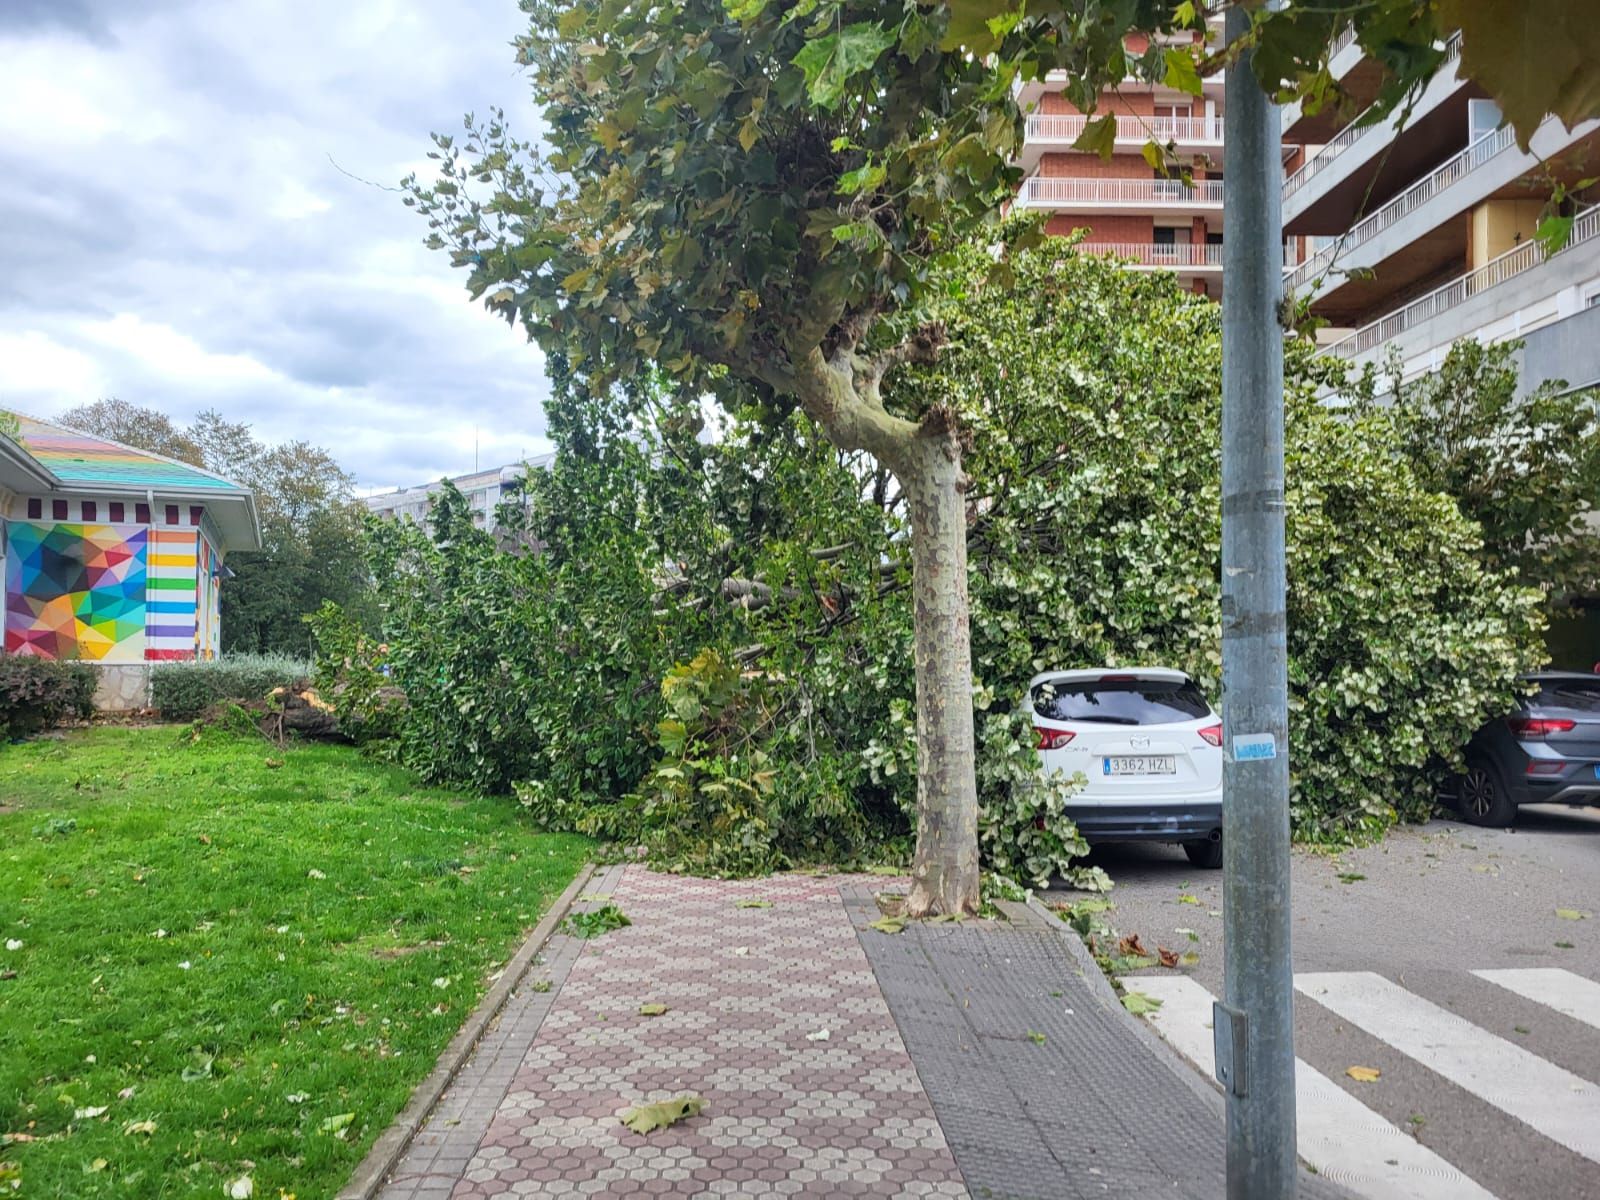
{"points": [[774, 1017]]}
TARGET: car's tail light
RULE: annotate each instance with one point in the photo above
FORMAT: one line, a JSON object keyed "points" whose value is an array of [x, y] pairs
{"points": [[1543, 766], [1052, 739], [1538, 727], [1212, 734]]}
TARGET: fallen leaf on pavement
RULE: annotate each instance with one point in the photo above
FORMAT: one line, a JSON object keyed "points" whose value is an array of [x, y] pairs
{"points": [[646, 1118], [1570, 914], [1133, 946], [1138, 1002], [1189, 959], [752, 904], [1363, 1074], [820, 1035], [1169, 958], [888, 924], [652, 1010], [1188, 899], [1036, 1037]]}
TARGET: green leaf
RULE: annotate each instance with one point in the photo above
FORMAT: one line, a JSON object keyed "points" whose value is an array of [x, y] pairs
{"points": [[1099, 136], [1156, 155], [831, 62], [337, 1124], [647, 1118], [1138, 1003], [888, 924], [1181, 72], [862, 179], [652, 1010], [1571, 914], [752, 903], [1553, 233], [1036, 1037]]}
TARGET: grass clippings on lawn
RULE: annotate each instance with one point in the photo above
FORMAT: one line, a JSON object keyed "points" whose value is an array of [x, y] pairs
{"points": [[223, 961]]}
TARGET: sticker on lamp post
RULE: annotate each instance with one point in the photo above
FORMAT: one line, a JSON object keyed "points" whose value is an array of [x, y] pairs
{"points": [[1253, 746]]}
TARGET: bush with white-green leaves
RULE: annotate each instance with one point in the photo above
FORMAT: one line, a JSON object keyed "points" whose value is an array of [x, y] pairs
{"points": [[702, 645]]}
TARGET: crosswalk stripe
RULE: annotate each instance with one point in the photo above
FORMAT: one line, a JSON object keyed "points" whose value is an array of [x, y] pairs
{"points": [[1569, 994], [1337, 1134], [1540, 1094]]}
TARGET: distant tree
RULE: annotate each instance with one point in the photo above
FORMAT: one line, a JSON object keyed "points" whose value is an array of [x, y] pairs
{"points": [[310, 524], [1526, 468], [133, 425]]}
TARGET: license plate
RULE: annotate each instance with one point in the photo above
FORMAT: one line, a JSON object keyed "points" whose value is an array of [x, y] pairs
{"points": [[1141, 764]]}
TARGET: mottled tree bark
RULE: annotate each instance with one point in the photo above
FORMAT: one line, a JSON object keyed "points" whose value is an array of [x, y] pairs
{"points": [[842, 395], [944, 869]]}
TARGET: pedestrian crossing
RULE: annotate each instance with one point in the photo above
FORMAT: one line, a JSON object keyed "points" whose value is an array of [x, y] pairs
{"points": [[1360, 1149]]}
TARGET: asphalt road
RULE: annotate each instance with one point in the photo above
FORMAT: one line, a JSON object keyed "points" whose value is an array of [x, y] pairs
{"points": [[1505, 1100]]}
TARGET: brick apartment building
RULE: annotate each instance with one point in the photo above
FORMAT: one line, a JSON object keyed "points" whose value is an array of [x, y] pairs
{"points": [[1127, 207]]}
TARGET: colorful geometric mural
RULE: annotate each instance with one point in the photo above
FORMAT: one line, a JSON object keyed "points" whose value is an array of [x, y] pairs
{"points": [[76, 591], [172, 612]]}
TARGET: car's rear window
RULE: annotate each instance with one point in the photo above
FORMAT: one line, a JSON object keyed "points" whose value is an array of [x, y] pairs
{"points": [[1120, 701], [1568, 693]]}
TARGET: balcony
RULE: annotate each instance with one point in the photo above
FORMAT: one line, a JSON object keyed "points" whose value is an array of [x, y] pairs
{"points": [[1482, 302], [1413, 198], [1090, 196], [1328, 190], [1047, 132], [1158, 256]]}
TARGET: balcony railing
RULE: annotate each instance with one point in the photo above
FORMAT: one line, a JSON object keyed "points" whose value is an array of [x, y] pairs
{"points": [[1407, 202], [1067, 128], [1157, 254], [1340, 42], [1352, 133], [1442, 299], [1043, 192]]}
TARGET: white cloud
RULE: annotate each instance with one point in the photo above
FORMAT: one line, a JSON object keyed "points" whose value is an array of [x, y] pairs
{"points": [[181, 228]]}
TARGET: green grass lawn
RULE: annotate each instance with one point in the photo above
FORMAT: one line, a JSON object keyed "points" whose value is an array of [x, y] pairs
{"points": [[232, 960]]}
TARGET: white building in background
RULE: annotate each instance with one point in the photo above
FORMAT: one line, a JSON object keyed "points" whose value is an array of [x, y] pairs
{"points": [[1407, 240], [483, 490]]}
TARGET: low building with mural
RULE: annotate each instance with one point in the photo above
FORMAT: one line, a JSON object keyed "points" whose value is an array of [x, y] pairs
{"points": [[114, 556]]}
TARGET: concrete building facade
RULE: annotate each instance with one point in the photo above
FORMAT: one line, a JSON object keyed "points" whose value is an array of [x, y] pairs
{"points": [[484, 491], [1406, 238]]}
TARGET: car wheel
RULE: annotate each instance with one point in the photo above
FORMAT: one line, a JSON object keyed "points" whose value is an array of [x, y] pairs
{"points": [[1482, 797], [1207, 854]]}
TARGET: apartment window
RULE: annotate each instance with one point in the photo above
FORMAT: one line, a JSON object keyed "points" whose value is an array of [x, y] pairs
{"points": [[119, 512], [1483, 118], [1593, 301], [89, 510], [35, 509], [141, 513], [172, 514], [58, 509]]}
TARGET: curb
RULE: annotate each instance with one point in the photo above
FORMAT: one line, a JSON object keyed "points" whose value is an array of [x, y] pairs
{"points": [[1095, 978], [374, 1169]]}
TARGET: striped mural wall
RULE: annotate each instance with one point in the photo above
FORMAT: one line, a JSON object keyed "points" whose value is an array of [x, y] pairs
{"points": [[171, 610]]}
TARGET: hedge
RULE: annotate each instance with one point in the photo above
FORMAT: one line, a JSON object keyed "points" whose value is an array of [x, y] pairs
{"points": [[183, 690]]}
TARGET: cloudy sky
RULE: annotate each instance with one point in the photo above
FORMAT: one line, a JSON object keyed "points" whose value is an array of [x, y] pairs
{"points": [[175, 228]]}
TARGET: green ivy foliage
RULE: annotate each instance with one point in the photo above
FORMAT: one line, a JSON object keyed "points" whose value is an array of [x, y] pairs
{"points": [[1094, 399], [699, 640]]}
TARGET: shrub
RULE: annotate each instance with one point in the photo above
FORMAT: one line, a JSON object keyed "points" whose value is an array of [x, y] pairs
{"points": [[710, 654], [183, 690], [36, 693]]}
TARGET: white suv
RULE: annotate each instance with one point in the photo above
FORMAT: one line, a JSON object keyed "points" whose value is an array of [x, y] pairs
{"points": [[1150, 747]]}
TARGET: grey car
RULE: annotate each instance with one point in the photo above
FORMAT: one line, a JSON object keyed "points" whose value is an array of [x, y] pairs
{"points": [[1545, 752]]}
